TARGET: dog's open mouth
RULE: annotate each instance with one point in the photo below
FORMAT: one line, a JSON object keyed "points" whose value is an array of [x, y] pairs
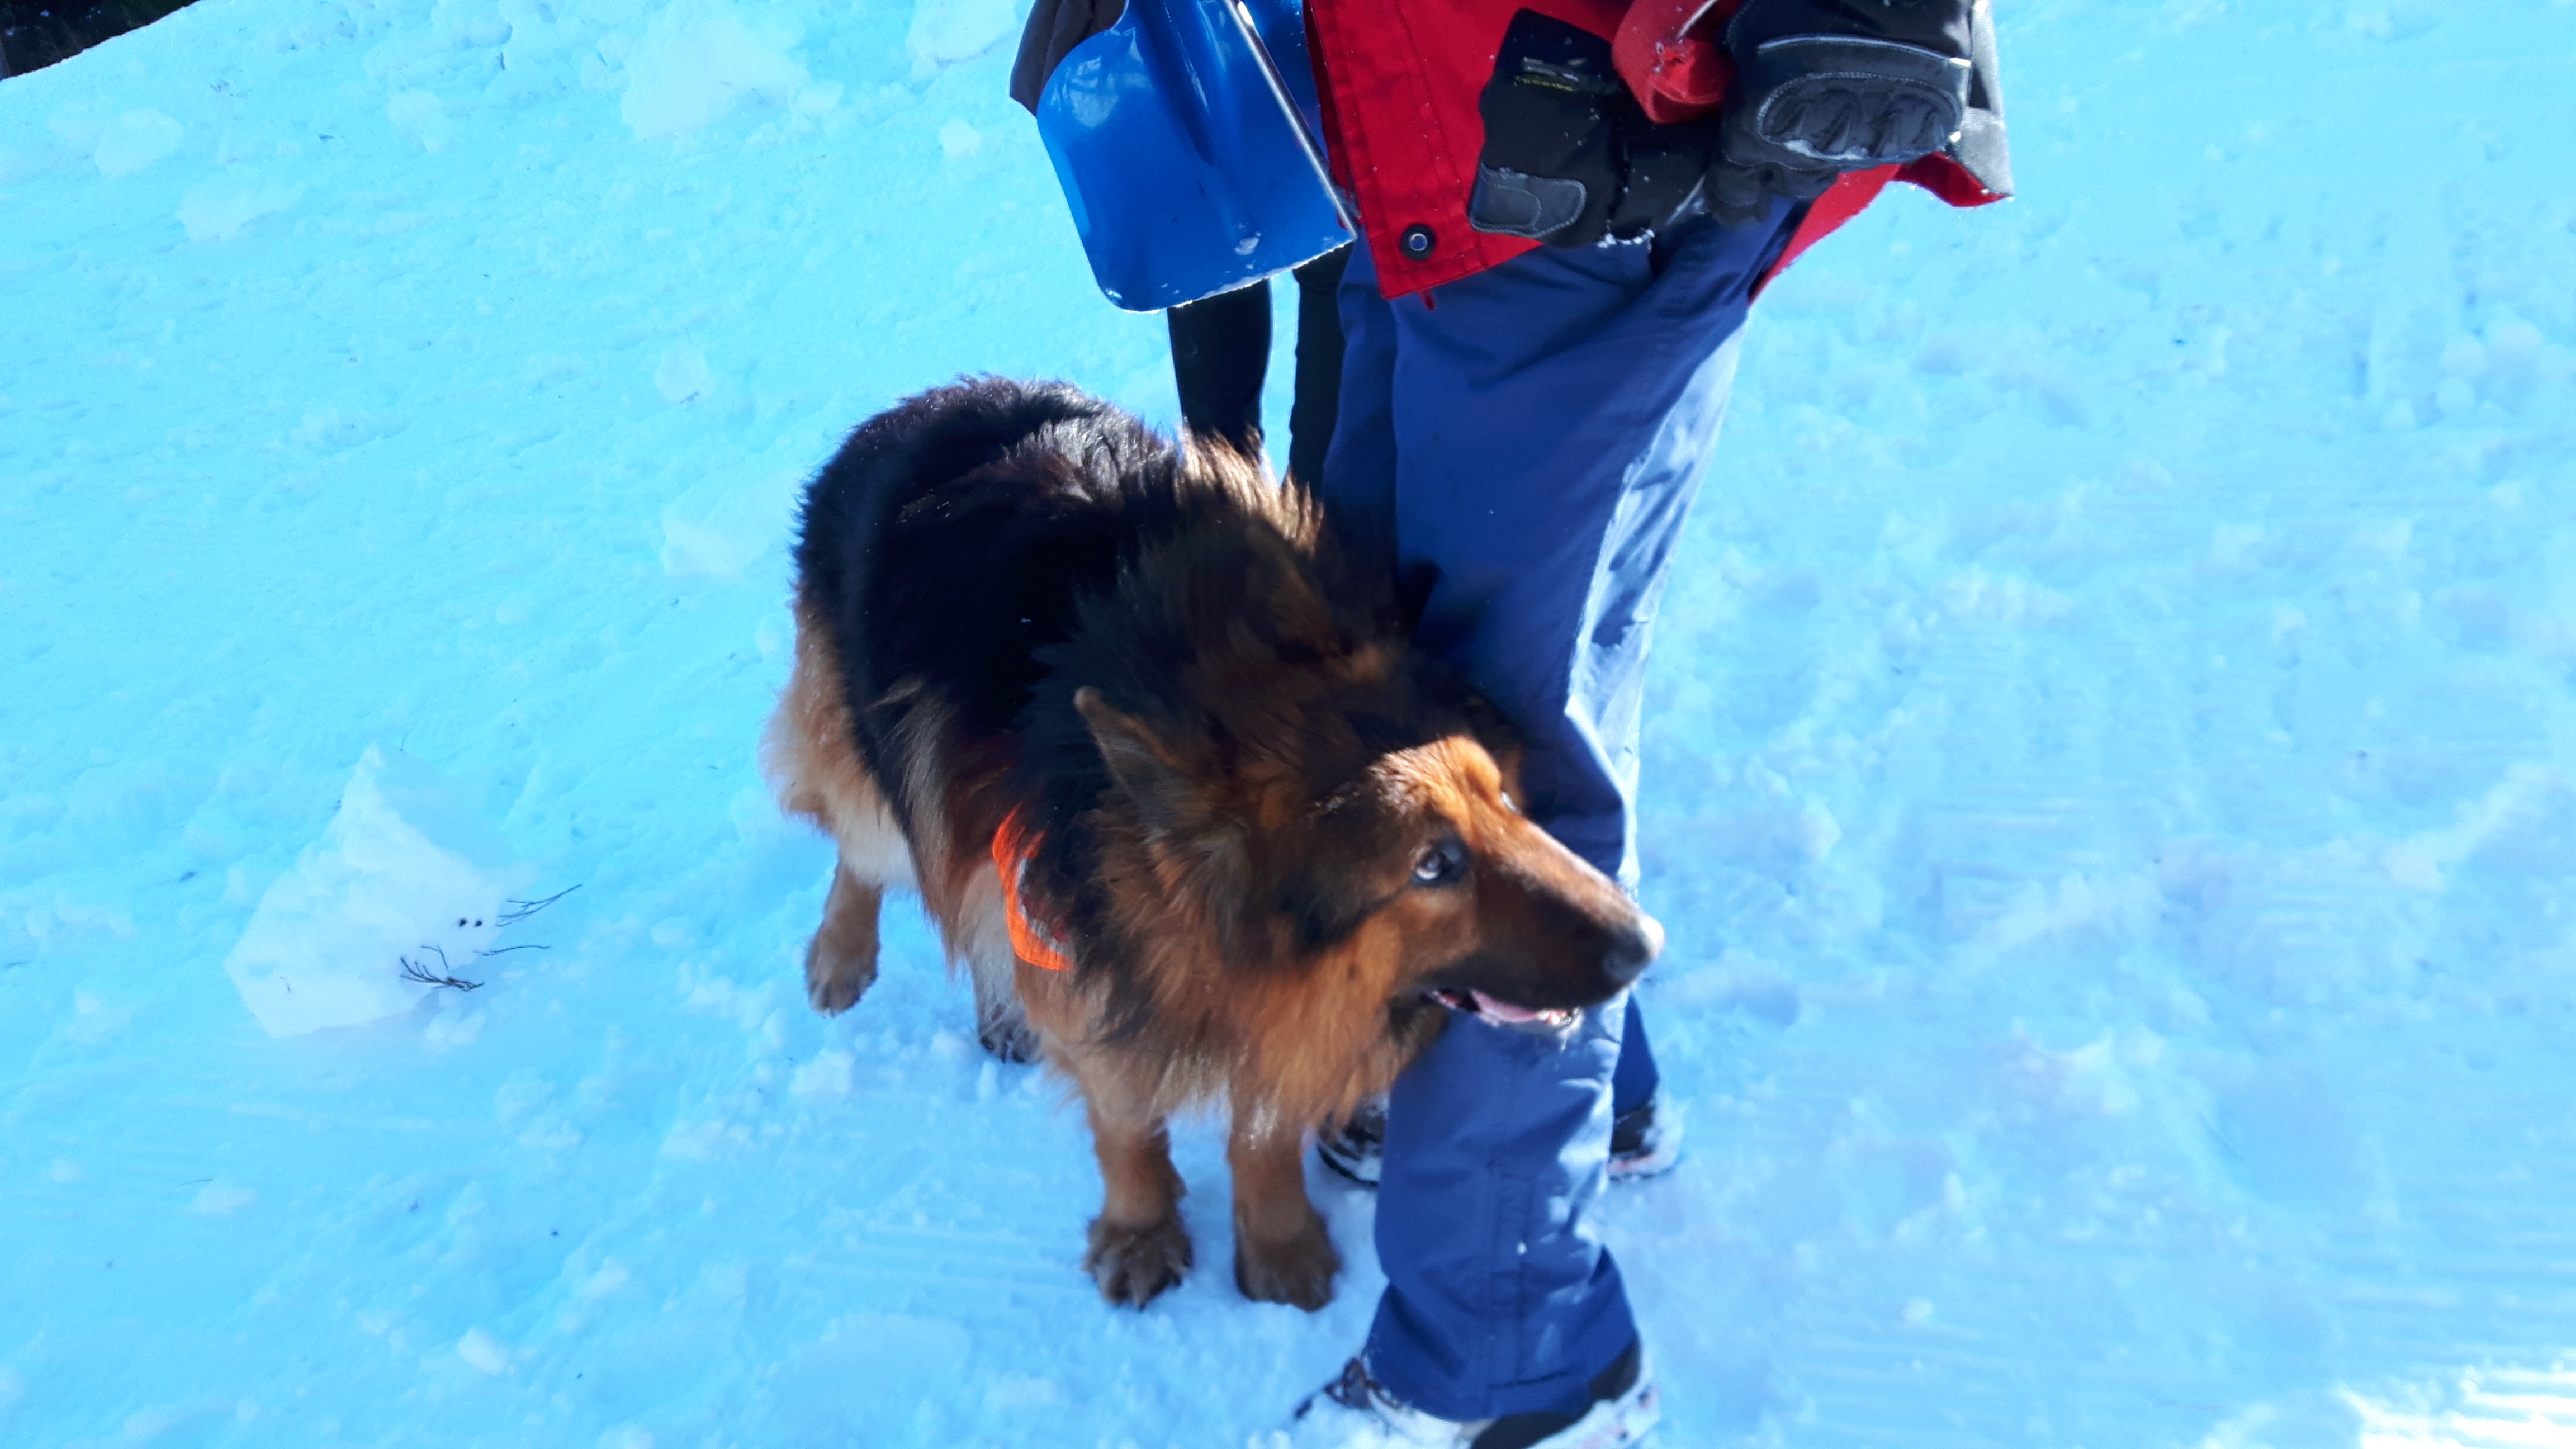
{"points": [[1504, 1013]]}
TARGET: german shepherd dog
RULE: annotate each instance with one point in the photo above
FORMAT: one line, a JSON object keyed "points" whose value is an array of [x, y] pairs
{"points": [[1184, 801]]}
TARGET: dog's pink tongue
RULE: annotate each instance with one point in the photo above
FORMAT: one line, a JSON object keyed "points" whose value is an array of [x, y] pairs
{"points": [[1502, 1010]]}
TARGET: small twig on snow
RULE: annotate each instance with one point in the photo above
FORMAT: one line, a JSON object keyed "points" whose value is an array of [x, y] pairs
{"points": [[415, 971], [521, 910]]}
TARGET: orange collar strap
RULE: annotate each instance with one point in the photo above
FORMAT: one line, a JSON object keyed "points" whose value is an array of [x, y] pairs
{"points": [[1012, 846]]}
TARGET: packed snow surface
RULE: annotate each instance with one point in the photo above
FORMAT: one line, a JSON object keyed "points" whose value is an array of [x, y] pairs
{"points": [[2112, 773]]}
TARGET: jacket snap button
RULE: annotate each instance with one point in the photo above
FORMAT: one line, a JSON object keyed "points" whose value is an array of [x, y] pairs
{"points": [[1417, 241]]}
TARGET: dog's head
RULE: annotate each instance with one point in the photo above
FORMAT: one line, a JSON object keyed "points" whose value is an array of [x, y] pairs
{"points": [[1371, 845]]}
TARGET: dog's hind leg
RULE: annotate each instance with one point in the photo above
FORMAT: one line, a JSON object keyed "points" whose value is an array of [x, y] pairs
{"points": [[812, 755], [841, 963], [1282, 1251], [1138, 1247]]}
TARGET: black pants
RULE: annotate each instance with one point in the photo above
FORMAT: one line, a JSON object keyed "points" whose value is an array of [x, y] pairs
{"points": [[1221, 351]]}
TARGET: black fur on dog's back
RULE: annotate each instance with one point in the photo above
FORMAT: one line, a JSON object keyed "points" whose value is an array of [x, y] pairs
{"points": [[967, 550], [932, 504]]}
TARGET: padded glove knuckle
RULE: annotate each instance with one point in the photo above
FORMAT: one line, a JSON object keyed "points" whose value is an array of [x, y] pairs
{"points": [[1828, 86]]}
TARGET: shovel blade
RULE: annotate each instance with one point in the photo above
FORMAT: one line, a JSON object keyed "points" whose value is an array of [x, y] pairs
{"points": [[1183, 172]]}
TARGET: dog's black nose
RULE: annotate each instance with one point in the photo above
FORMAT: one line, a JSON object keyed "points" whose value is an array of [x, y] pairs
{"points": [[1630, 952]]}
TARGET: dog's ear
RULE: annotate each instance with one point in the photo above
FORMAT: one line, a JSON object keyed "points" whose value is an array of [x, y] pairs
{"points": [[1139, 762], [1195, 849], [1502, 739]]}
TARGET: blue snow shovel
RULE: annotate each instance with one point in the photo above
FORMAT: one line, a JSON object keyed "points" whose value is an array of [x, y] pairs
{"points": [[1184, 136]]}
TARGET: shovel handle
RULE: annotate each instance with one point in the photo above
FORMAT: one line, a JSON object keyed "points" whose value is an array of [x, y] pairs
{"points": [[1306, 142]]}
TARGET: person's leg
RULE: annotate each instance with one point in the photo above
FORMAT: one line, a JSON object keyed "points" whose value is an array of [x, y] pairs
{"points": [[1527, 449], [1553, 418], [1220, 352], [1319, 364], [1644, 1134], [1357, 484], [1500, 1296], [1634, 1082]]}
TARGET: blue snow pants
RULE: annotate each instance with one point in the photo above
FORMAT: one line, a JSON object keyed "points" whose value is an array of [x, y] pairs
{"points": [[1526, 445]]}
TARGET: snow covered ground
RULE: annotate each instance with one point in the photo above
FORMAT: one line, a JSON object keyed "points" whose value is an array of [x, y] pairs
{"points": [[2113, 758]]}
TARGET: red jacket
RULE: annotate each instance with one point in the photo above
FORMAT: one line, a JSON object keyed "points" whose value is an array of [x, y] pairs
{"points": [[1400, 81]]}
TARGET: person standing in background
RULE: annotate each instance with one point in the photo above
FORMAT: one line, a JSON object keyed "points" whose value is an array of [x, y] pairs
{"points": [[1221, 344], [1567, 208]]}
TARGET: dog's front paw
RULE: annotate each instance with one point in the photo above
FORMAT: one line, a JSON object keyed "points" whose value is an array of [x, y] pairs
{"points": [[1134, 1264], [1005, 1032], [1297, 1269]]}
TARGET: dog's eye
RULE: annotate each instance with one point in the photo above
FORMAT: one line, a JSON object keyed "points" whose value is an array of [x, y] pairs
{"points": [[1440, 864]]}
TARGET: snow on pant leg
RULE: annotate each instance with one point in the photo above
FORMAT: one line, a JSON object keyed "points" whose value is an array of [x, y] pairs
{"points": [[1526, 448], [1634, 1082]]}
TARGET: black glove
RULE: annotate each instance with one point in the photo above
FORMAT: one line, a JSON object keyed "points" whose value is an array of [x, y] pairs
{"points": [[1569, 155], [1828, 86], [1055, 27]]}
